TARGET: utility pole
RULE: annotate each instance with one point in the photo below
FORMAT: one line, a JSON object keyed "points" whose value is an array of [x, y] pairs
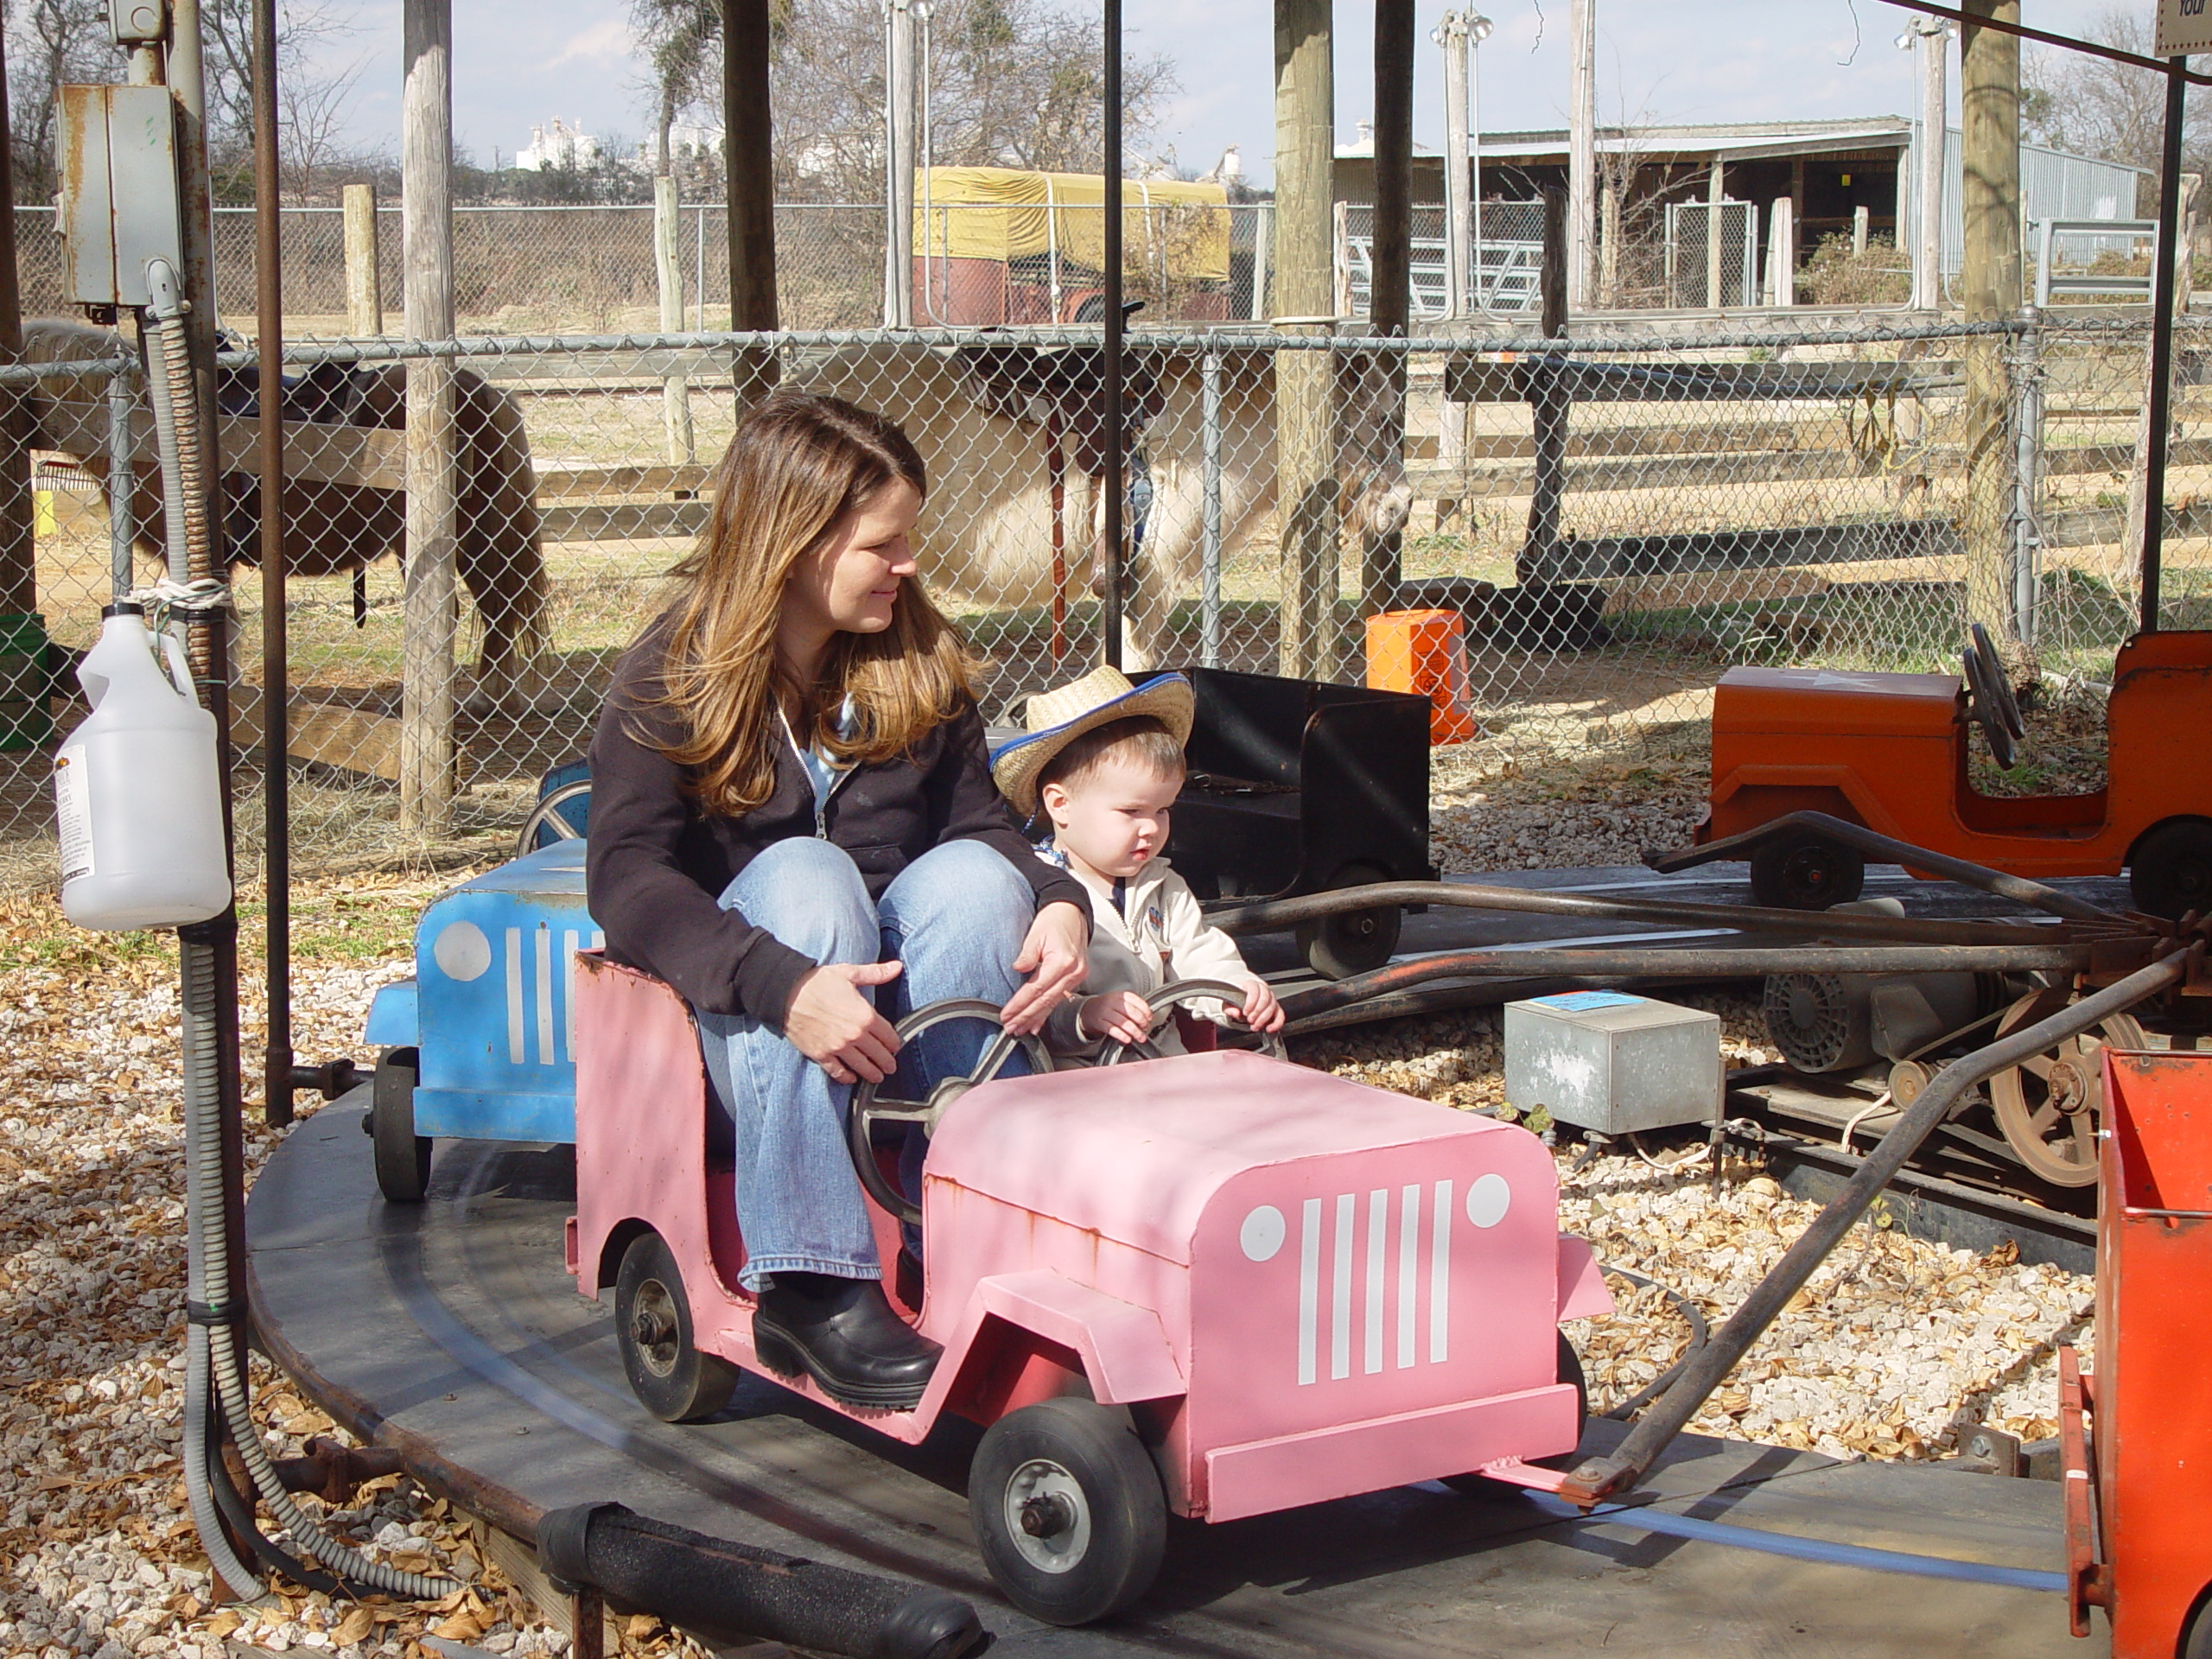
{"points": [[1582, 153], [1930, 38], [1451, 34], [898, 166], [1989, 284], [1305, 475]]}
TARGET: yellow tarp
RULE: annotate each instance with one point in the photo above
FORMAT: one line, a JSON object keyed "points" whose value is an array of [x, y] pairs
{"points": [[996, 212]]}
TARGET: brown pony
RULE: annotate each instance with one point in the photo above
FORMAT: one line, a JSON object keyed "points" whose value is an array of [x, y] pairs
{"points": [[333, 528]]}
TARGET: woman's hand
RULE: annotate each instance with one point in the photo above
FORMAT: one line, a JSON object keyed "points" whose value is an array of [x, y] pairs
{"points": [[1053, 955], [1123, 1015], [836, 1026], [1261, 1011]]}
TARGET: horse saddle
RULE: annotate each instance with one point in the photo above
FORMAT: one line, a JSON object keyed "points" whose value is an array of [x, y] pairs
{"points": [[1059, 389]]}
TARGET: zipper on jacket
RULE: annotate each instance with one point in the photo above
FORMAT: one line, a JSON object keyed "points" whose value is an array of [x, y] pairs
{"points": [[822, 796]]}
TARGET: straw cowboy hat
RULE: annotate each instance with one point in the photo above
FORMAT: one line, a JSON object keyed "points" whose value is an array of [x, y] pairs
{"points": [[1058, 716]]}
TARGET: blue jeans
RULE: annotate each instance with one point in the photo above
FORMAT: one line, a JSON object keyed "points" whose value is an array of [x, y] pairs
{"points": [[956, 918]]}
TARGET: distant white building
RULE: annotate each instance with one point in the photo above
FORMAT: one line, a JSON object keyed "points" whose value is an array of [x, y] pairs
{"points": [[558, 145], [689, 140]]}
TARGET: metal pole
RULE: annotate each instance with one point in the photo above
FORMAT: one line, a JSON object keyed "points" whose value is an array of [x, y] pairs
{"points": [[122, 487], [2160, 395], [276, 689], [1109, 387], [899, 239], [18, 544], [1209, 511], [2027, 468]]}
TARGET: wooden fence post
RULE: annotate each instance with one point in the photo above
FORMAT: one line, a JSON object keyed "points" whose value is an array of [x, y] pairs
{"points": [[364, 264], [426, 768], [1306, 473], [1990, 285]]}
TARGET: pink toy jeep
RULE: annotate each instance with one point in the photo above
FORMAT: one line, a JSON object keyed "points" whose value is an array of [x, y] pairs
{"points": [[1218, 1284]]}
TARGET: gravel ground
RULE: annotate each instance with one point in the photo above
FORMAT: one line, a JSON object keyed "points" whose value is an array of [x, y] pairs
{"points": [[1893, 1349]]}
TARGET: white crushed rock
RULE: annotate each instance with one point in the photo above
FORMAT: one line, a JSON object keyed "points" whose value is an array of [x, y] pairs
{"points": [[1491, 809], [98, 1555], [1897, 1348], [1894, 1348]]}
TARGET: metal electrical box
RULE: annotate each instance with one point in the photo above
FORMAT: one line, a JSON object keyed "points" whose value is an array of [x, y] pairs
{"points": [[1613, 1063], [118, 191]]}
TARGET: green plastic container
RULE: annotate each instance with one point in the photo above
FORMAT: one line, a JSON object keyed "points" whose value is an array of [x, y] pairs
{"points": [[26, 721]]}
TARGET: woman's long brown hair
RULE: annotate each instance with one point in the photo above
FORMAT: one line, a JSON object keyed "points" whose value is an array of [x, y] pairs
{"points": [[800, 462]]}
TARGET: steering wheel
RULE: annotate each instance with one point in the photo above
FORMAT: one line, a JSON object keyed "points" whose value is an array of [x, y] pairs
{"points": [[1989, 702], [1182, 991], [866, 1107], [547, 815]]}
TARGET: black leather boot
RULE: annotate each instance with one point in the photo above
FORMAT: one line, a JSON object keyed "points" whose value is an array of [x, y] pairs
{"points": [[843, 1333]]}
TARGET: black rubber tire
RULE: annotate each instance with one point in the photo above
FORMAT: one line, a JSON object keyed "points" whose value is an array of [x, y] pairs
{"points": [[1354, 941], [1570, 1371], [403, 1157], [1080, 1448], [2170, 868], [1805, 872], [2196, 1634], [670, 1376]]}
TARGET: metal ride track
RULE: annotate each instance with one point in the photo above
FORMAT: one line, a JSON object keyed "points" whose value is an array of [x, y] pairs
{"points": [[450, 1329]]}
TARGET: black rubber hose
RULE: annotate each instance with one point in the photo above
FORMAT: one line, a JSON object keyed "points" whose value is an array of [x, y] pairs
{"points": [[1271, 914], [1602, 1476], [723, 1588], [1691, 962], [1658, 1385]]}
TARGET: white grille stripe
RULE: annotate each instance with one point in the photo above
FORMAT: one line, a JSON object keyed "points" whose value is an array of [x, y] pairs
{"points": [[545, 942], [514, 995], [1309, 1289], [1340, 1291], [1439, 1278], [1378, 1233], [1408, 1271]]}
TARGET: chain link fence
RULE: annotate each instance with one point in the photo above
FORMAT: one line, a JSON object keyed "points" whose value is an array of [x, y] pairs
{"points": [[1618, 522]]}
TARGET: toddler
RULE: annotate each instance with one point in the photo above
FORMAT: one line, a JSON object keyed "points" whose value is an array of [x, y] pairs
{"points": [[1103, 761]]}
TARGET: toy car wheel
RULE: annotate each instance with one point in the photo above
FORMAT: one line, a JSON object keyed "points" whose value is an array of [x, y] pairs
{"points": [[403, 1157], [1570, 1371], [1352, 941], [1805, 872], [1068, 1509], [670, 1376], [2169, 869]]}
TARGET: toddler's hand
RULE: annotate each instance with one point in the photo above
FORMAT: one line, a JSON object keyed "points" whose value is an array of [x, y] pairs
{"points": [[1261, 1011], [1123, 1015]]}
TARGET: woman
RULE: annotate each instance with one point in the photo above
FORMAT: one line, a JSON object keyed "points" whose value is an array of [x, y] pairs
{"points": [[792, 807]]}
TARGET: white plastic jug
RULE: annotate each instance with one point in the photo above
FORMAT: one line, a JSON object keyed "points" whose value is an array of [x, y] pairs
{"points": [[138, 799]]}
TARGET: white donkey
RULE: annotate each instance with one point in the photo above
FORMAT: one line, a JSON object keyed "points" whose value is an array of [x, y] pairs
{"points": [[986, 532]]}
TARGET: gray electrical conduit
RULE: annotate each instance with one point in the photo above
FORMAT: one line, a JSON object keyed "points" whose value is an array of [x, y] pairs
{"points": [[213, 1358], [1599, 1478]]}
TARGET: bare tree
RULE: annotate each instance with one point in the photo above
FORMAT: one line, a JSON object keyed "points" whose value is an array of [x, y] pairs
{"points": [[2092, 106], [1014, 83], [50, 43]]}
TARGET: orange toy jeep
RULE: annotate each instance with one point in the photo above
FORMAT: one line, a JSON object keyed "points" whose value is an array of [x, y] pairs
{"points": [[1889, 752]]}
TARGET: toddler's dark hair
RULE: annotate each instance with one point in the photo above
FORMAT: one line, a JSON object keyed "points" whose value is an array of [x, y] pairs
{"points": [[1139, 739]]}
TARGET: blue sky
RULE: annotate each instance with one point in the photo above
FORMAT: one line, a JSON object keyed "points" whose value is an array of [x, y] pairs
{"points": [[520, 61]]}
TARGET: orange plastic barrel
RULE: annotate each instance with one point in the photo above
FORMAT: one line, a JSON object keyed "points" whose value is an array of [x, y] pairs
{"points": [[1423, 652]]}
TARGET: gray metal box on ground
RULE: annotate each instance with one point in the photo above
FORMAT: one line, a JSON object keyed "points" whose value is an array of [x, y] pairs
{"points": [[1616, 1064]]}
